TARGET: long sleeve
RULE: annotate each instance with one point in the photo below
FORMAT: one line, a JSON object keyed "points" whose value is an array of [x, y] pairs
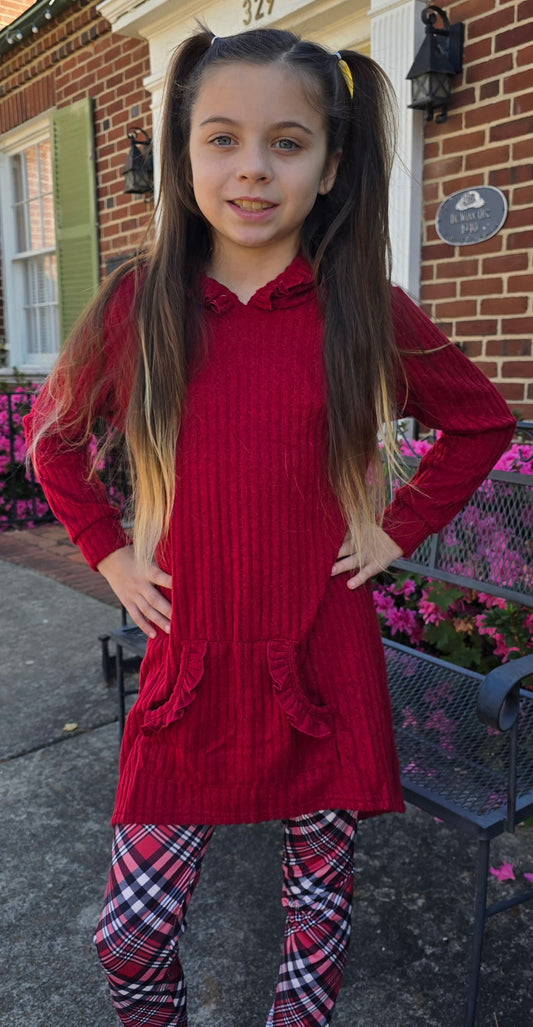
{"points": [[63, 465], [442, 389]]}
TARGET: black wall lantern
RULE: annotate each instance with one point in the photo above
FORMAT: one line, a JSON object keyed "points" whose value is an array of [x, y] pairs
{"points": [[138, 170], [440, 58]]}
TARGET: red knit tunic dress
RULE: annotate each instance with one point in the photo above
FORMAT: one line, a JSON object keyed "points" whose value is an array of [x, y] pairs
{"points": [[269, 697]]}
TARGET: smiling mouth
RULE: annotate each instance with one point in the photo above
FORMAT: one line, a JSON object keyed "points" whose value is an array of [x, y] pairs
{"points": [[253, 205]]}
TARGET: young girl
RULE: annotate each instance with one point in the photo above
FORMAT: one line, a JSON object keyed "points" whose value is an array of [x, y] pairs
{"points": [[250, 357]]}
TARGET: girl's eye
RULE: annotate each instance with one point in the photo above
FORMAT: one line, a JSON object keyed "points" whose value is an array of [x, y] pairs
{"points": [[287, 144], [222, 140]]}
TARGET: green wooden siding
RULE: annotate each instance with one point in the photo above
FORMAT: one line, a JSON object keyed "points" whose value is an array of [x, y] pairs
{"points": [[75, 209]]}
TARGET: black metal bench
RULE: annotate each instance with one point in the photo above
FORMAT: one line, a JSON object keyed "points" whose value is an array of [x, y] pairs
{"points": [[481, 781]]}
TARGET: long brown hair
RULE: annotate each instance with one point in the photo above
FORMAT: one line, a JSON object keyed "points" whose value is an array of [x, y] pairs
{"points": [[346, 239]]}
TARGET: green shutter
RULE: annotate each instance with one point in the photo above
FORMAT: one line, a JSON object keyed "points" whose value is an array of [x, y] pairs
{"points": [[75, 209]]}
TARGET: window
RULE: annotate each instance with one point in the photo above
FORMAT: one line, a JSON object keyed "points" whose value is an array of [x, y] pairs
{"points": [[49, 229], [35, 258]]}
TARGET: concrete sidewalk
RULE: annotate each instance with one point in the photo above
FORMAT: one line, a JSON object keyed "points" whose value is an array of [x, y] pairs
{"points": [[414, 881]]}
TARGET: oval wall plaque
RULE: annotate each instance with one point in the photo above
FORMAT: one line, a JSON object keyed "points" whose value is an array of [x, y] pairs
{"points": [[471, 215]]}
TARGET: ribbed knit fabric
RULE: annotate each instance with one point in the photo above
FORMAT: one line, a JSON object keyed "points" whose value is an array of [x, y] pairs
{"points": [[269, 697]]}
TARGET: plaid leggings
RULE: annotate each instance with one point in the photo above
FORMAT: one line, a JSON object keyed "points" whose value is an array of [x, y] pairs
{"points": [[153, 874]]}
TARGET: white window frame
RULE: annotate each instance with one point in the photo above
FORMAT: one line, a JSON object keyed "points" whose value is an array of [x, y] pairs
{"points": [[32, 132]]}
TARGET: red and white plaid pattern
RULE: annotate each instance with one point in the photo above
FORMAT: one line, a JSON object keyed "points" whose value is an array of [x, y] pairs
{"points": [[154, 871], [317, 895]]}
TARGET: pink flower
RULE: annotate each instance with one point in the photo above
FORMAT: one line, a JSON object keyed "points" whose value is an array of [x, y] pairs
{"points": [[408, 588], [529, 877], [503, 873], [430, 612], [490, 601], [415, 447], [406, 621], [382, 601]]}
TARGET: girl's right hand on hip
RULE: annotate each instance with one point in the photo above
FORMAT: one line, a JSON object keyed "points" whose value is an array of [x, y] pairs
{"points": [[138, 591]]}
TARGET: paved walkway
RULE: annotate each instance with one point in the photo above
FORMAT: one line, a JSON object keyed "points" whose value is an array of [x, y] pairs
{"points": [[58, 767], [49, 551]]}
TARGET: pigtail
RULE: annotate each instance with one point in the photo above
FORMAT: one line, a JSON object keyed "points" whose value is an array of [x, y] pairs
{"points": [[352, 268], [169, 317]]}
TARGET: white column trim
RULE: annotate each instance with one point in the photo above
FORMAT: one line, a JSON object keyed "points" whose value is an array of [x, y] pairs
{"points": [[396, 33]]}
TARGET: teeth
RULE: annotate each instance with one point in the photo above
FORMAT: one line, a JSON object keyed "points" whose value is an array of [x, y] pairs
{"points": [[252, 205]]}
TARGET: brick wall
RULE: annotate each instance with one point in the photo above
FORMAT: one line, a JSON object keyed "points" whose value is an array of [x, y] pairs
{"points": [[76, 55], [482, 293], [11, 9]]}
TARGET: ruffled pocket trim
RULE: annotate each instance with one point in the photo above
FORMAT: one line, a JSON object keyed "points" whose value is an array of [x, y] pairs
{"points": [[303, 714], [190, 674]]}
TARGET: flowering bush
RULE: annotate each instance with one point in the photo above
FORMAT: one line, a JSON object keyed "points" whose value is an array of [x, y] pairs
{"points": [[470, 628], [21, 499]]}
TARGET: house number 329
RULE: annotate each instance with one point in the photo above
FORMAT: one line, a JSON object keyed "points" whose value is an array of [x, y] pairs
{"points": [[254, 10]]}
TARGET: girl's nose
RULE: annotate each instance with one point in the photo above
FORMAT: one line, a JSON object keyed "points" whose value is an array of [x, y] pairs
{"points": [[254, 166]]}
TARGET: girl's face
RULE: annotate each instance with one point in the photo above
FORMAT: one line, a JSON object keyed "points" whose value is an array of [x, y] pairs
{"points": [[259, 158]]}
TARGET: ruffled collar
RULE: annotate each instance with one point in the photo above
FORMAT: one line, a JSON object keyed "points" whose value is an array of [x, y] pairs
{"points": [[288, 289]]}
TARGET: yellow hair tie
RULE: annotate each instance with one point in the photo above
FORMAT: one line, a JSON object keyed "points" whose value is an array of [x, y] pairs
{"points": [[346, 74]]}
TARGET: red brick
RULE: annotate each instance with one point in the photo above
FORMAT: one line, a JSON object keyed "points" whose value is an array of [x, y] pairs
{"points": [[510, 175], [520, 283], [498, 66], [442, 168], [489, 24], [517, 83], [518, 326], [523, 104], [439, 290], [520, 240], [511, 390], [431, 149], [508, 347], [459, 143], [505, 263], [521, 195], [482, 287], [523, 150], [502, 305], [488, 113], [431, 191], [489, 89], [461, 98], [427, 272], [477, 327], [436, 251], [525, 10], [472, 349], [517, 369], [493, 245], [488, 156], [519, 217], [468, 9], [477, 51], [524, 56], [461, 268], [513, 38], [511, 129], [457, 308], [454, 185]]}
